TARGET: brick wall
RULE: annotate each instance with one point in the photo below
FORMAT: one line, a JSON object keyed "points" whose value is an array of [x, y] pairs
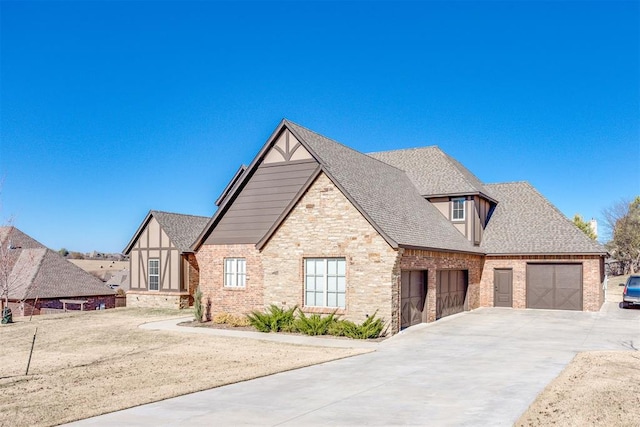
{"points": [[592, 277], [413, 259], [230, 300], [193, 276], [325, 224], [29, 307]]}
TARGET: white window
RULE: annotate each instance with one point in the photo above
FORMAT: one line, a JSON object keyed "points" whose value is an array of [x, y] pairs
{"points": [[154, 274], [325, 282], [235, 272], [457, 209]]}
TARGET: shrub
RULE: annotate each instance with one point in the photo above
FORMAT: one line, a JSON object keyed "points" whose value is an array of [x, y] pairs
{"points": [[275, 319], [314, 324], [372, 327], [230, 319], [197, 305]]}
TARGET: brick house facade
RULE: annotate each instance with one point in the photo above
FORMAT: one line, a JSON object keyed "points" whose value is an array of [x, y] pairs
{"points": [[410, 235]]}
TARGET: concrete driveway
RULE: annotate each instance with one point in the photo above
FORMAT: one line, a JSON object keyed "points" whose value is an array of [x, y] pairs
{"points": [[477, 368]]}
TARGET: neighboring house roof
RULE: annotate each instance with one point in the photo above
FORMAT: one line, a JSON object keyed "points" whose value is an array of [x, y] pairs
{"points": [[119, 279], [37, 272], [181, 229], [524, 222], [433, 172]]}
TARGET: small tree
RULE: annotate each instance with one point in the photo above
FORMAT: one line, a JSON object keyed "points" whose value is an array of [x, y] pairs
{"points": [[64, 252], [584, 226]]}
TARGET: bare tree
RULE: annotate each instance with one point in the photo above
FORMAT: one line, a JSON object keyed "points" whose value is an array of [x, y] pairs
{"points": [[622, 220]]}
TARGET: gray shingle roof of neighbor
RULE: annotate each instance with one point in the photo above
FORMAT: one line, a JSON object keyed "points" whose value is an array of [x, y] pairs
{"points": [[433, 172], [525, 222], [384, 194], [181, 229], [38, 272]]}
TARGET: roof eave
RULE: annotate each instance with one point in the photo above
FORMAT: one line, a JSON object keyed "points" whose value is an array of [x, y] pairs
{"points": [[426, 248], [490, 254], [461, 194]]}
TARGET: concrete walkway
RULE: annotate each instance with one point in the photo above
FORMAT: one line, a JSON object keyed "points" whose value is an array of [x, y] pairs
{"points": [[477, 368]]}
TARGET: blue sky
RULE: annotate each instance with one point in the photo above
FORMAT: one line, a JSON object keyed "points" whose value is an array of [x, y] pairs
{"points": [[110, 109]]}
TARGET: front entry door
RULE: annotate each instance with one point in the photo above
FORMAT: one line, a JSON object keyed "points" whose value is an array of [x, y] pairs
{"points": [[412, 297], [503, 288]]}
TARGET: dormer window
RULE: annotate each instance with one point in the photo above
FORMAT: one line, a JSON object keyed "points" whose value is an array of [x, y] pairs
{"points": [[457, 209]]}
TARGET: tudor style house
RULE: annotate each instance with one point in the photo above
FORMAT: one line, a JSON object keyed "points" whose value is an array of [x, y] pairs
{"points": [[411, 235], [163, 270]]}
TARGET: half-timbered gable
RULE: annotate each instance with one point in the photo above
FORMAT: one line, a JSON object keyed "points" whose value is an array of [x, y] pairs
{"points": [[163, 270]]}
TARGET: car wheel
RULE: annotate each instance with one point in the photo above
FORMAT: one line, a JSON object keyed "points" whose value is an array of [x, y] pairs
{"points": [[625, 304]]}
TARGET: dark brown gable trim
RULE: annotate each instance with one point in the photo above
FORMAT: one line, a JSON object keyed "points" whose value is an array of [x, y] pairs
{"points": [[237, 187], [262, 242]]}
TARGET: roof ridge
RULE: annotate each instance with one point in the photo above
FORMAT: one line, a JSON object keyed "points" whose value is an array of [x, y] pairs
{"points": [[406, 149], [366, 155], [176, 213]]}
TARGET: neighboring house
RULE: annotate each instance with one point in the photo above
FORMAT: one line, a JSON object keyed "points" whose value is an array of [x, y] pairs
{"points": [[41, 280], [411, 235], [119, 280], [163, 270]]}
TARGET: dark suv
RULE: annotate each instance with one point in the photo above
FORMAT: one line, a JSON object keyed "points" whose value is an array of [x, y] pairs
{"points": [[631, 293]]}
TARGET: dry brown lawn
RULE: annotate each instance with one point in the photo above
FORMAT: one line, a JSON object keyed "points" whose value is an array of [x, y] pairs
{"points": [[598, 388], [90, 363], [100, 267]]}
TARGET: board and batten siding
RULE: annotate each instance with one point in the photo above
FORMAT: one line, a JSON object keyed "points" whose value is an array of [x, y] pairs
{"points": [[476, 213], [154, 243], [261, 202]]}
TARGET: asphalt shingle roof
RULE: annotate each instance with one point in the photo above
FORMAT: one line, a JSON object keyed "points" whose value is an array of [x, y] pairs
{"points": [[181, 229], [524, 222], [433, 172], [385, 194], [38, 272]]}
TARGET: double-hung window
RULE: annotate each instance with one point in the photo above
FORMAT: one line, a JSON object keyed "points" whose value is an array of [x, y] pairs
{"points": [[457, 209], [235, 272], [154, 274], [325, 282]]}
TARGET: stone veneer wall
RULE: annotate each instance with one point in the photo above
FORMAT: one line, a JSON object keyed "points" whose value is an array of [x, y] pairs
{"points": [[219, 299], [151, 299], [592, 278], [325, 224], [414, 259]]}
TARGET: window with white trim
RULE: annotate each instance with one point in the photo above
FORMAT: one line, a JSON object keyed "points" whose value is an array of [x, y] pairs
{"points": [[325, 282], [235, 272], [154, 274], [457, 209]]}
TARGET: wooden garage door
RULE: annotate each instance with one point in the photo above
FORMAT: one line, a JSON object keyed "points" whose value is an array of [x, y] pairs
{"points": [[554, 286], [412, 300], [451, 292]]}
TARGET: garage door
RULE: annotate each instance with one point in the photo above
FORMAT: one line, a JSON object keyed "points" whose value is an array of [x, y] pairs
{"points": [[554, 286], [451, 292], [413, 295]]}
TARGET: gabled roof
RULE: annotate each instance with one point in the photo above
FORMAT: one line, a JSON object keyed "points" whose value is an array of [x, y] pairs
{"points": [[382, 193], [524, 222], [38, 272], [433, 172], [181, 229]]}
